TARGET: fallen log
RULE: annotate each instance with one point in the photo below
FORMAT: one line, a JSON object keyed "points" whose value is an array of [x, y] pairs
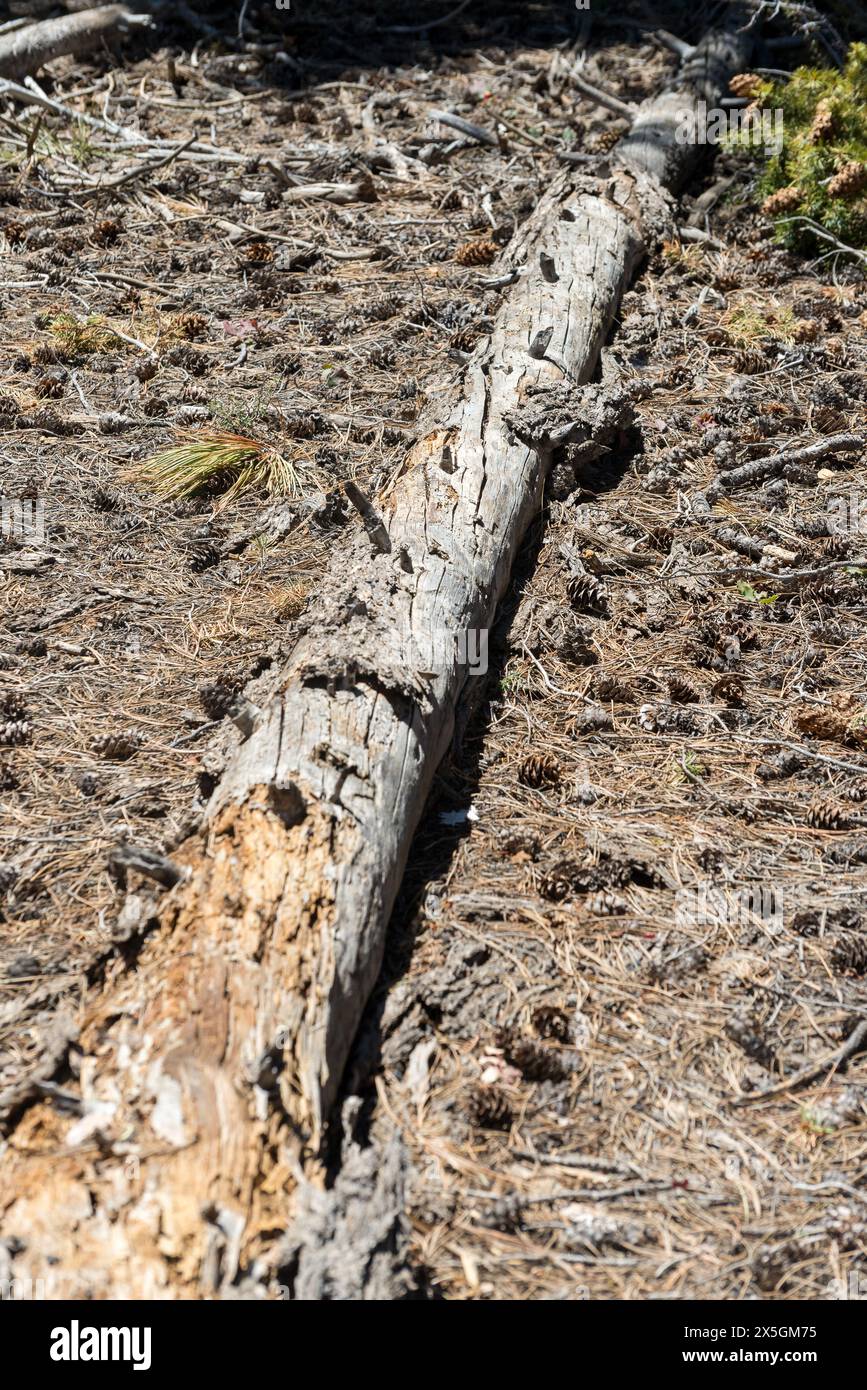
{"points": [[207, 1072], [26, 50]]}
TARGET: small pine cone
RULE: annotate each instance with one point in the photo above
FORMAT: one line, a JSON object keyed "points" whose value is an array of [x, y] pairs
{"points": [[606, 140], [730, 689], [822, 723], [811, 526], [50, 385], [14, 732], [534, 1061], [822, 128], [204, 557], [750, 361], [783, 201], [539, 770], [258, 253], [8, 780], [481, 252], [849, 955], [575, 651], [550, 1021], [681, 692], [118, 747], [558, 881], [464, 340], [604, 904], [488, 1107], [851, 180], [611, 688], [806, 330], [106, 232], [189, 325], [836, 547], [783, 764], [591, 720], [12, 707], [857, 792], [584, 594], [745, 84], [771, 1266], [825, 815], [217, 697]]}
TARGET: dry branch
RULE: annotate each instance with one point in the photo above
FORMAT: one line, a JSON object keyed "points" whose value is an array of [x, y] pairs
{"points": [[208, 1072], [26, 50]]}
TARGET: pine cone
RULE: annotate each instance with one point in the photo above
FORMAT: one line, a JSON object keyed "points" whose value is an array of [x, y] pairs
{"points": [[783, 201], [204, 557], [476, 252], [606, 140], [611, 688], [811, 526], [558, 881], [681, 692], [488, 1107], [575, 650], [8, 780], [849, 955], [745, 84], [539, 770], [730, 689], [106, 232], [118, 747], [534, 1061], [825, 815], [550, 1021], [823, 127], [749, 362], [850, 181], [806, 330], [585, 594], [823, 723], [189, 326], [217, 697], [591, 720], [258, 253]]}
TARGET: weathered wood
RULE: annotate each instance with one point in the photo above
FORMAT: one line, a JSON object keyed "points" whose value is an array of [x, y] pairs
{"points": [[208, 1071], [26, 50]]}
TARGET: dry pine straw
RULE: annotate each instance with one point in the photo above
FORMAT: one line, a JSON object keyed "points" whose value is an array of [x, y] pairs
{"points": [[650, 1014]]}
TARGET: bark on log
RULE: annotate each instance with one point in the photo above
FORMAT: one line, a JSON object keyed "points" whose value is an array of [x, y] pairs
{"points": [[26, 50], [208, 1071]]}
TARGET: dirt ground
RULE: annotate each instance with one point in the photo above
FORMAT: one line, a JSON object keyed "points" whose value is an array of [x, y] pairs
{"points": [[635, 900]]}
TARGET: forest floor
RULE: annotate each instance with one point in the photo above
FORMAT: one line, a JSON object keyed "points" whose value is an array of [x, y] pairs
{"points": [[635, 899]]}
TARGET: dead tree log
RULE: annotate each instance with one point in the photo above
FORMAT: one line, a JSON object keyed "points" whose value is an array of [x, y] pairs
{"points": [[26, 50], [206, 1073]]}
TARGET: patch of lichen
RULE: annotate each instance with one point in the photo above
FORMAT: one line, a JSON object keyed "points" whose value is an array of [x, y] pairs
{"points": [[824, 132]]}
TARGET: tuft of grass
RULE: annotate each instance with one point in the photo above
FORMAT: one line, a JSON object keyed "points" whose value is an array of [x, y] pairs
{"points": [[217, 462], [78, 336]]}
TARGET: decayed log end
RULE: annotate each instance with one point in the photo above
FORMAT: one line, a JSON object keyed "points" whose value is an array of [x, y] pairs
{"points": [[197, 1110]]}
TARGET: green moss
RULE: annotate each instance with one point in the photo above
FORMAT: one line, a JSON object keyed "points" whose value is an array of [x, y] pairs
{"points": [[807, 165]]}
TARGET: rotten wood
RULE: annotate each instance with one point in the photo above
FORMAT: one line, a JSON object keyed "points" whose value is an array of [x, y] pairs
{"points": [[207, 1073]]}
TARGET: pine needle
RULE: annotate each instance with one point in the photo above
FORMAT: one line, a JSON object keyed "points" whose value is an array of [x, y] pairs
{"points": [[217, 461]]}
